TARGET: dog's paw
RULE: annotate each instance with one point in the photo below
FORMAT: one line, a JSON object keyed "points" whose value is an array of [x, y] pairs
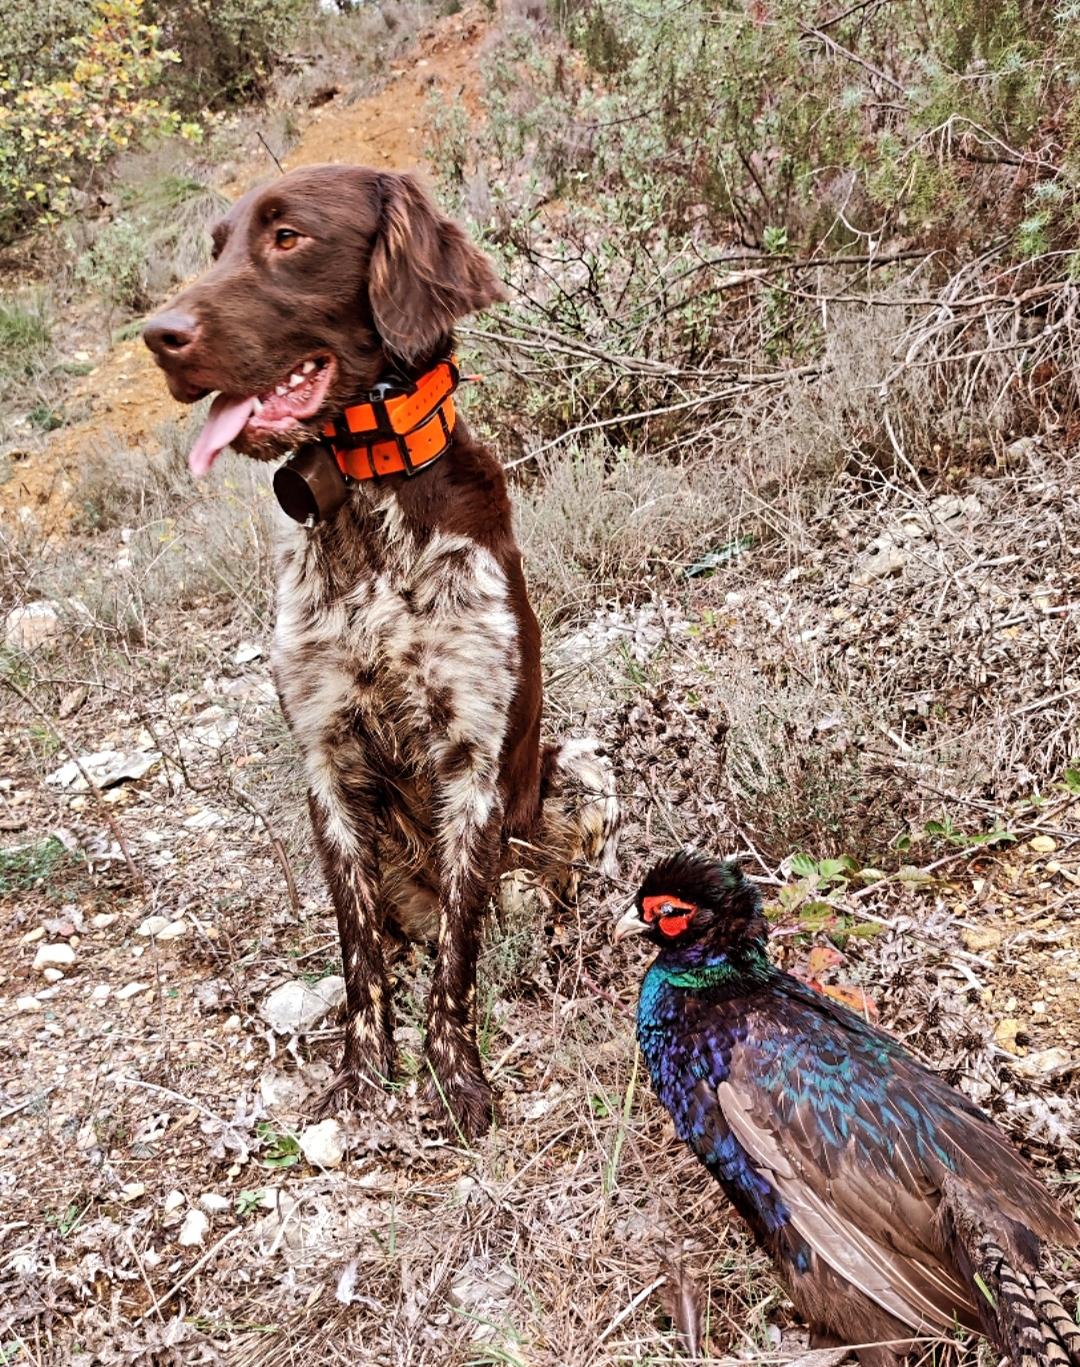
{"points": [[464, 1101], [356, 1088]]}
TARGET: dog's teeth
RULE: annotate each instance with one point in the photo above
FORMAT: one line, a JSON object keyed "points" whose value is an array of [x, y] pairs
{"points": [[309, 366], [295, 379], [256, 405], [281, 389]]}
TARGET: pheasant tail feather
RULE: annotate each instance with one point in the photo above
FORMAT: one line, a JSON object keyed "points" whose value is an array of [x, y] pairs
{"points": [[1021, 1314]]}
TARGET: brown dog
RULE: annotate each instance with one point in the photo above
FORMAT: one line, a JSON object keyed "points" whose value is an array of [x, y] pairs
{"points": [[406, 654]]}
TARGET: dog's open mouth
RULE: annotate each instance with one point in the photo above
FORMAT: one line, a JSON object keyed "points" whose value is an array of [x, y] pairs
{"points": [[297, 397]]}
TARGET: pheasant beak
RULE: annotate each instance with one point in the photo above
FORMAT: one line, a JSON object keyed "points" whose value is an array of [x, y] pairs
{"points": [[630, 924]]}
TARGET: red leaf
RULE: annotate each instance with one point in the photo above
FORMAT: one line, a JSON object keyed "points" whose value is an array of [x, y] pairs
{"points": [[854, 998], [821, 958]]}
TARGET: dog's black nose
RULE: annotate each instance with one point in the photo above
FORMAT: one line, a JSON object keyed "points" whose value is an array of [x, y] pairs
{"points": [[171, 335]]}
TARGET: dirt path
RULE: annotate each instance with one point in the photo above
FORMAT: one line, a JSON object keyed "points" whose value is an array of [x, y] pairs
{"points": [[126, 398]]}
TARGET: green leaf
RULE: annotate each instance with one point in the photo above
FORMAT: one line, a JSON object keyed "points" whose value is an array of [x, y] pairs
{"points": [[803, 866]]}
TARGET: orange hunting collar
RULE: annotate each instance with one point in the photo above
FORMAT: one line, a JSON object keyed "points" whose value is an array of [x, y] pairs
{"points": [[399, 428]]}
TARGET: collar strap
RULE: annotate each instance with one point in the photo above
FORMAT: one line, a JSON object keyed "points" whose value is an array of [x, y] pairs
{"points": [[398, 428]]}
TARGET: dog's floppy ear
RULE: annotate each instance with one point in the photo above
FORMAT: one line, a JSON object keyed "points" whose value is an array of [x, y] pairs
{"points": [[425, 273]]}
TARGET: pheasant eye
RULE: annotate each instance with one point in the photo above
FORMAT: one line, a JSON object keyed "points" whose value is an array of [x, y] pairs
{"points": [[668, 911]]}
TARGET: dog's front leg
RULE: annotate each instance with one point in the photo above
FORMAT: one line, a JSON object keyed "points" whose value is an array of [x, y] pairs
{"points": [[342, 817], [469, 832]]}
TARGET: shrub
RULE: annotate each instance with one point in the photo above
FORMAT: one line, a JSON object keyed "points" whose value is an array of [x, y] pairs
{"points": [[93, 96], [25, 336], [227, 48], [114, 267]]}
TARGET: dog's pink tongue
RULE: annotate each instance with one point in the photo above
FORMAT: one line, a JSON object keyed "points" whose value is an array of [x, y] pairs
{"points": [[228, 418]]}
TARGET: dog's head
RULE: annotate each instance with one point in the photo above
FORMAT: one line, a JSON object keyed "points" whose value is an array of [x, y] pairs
{"points": [[321, 281]]}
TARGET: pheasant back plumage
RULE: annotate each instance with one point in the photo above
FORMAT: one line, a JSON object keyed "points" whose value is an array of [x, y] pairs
{"points": [[827, 1136]]}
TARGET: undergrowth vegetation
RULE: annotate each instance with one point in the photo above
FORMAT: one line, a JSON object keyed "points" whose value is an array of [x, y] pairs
{"points": [[774, 271]]}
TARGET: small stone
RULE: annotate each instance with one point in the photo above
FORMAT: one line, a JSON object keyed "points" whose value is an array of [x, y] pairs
{"points": [[54, 956], [193, 1230], [206, 820], [464, 1188], [173, 931], [31, 627], [212, 1203], [27, 1004], [72, 701], [131, 1191], [282, 1091], [101, 992], [1006, 1032], [153, 925], [232, 1025], [131, 990], [103, 920], [244, 654], [295, 1006], [173, 1202], [890, 559], [33, 936], [1042, 844], [106, 767], [1043, 1061], [323, 1145], [52, 975], [980, 939]]}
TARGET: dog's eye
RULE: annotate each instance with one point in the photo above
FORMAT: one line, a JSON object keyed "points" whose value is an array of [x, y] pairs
{"points": [[285, 239]]}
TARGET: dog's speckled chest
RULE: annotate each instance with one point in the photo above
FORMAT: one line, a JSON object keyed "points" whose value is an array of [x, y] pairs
{"points": [[413, 637]]}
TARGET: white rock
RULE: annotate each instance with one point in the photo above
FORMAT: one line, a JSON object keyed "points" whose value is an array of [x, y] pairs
{"points": [[888, 559], [173, 930], [153, 925], [244, 654], [131, 990], [33, 936], [205, 820], [27, 1004], [295, 1006], [323, 1145], [105, 767], [282, 1091], [212, 1203], [30, 627], [103, 920], [131, 1191], [213, 727], [101, 992], [54, 956], [52, 975], [1042, 1061], [193, 1230], [173, 1202]]}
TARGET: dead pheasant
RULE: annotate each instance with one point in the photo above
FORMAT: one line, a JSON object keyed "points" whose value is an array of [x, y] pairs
{"points": [[891, 1205]]}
